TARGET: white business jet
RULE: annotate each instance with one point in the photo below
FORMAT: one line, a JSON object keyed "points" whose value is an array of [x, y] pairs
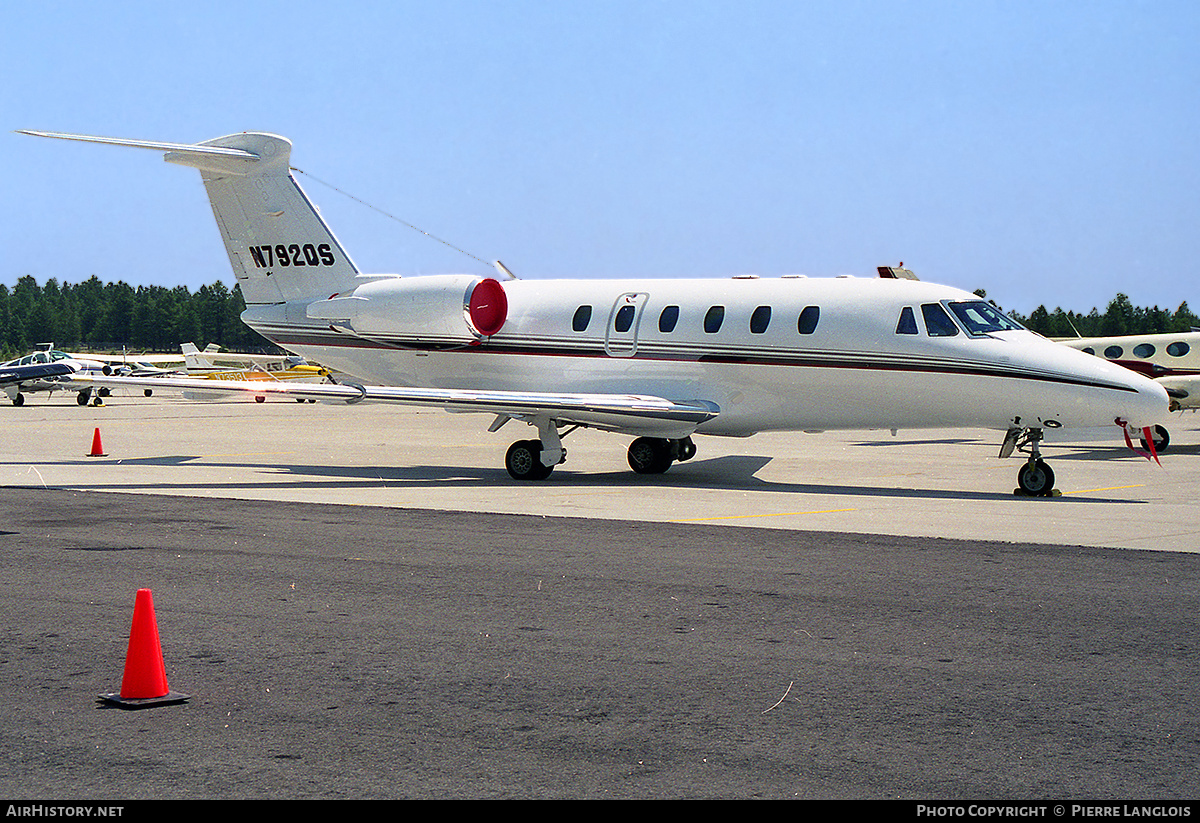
{"points": [[659, 360]]}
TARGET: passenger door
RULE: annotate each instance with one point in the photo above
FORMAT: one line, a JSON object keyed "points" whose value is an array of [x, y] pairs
{"points": [[620, 335]]}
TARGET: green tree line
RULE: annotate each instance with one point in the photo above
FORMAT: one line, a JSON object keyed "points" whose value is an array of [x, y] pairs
{"points": [[110, 316], [1120, 318]]}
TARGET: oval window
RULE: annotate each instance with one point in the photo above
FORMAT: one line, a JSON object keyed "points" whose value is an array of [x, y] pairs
{"points": [[760, 320], [1113, 352], [668, 319], [1178, 349], [713, 319], [624, 320], [811, 315], [1144, 350]]}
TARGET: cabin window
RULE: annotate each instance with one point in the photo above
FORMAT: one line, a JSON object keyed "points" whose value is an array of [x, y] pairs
{"points": [[760, 320], [1113, 352], [908, 321], [1088, 350], [937, 321], [1178, 349], [668, 319], [713, 319], [807, 323], [583, 316], [624, 319], [1144, 350]]}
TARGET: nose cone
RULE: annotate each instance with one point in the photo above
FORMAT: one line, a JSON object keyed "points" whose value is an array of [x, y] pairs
{"points": [[1119, 393], [1151, 406]]}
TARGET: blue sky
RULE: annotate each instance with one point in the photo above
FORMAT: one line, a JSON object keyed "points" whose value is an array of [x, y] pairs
{"points": [[1048, 152]]}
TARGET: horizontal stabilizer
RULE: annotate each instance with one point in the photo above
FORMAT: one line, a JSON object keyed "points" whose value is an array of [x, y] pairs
{"points": [[183, 148], [279, 247]]}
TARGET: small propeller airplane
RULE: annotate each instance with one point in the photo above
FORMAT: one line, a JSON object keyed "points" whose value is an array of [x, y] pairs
{"points": [[656, 360], [210, 363], [15, 375], [32, 373]]}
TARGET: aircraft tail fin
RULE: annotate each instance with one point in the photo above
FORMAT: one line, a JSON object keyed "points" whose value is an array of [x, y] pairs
{"points": [[191, 356], [279, 246]]}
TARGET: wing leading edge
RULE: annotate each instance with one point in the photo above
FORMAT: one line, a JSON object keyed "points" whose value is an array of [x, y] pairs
{"points": [[627, 413]]}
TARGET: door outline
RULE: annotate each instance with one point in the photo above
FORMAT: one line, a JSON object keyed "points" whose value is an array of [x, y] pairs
{"points": [[624, 344]]}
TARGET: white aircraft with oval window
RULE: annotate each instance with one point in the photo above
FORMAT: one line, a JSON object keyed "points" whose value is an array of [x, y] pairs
{"points": [[659, 360], [1171, 360]]}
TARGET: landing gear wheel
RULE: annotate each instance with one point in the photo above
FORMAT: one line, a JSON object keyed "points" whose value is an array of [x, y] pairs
{"points": [[650, 455], [83, 397], [148, 392], [1035, 479], [687, 449], [1162, 439], [524, 461], [19, 400]]}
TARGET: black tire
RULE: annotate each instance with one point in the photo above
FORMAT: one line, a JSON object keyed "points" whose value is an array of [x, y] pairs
{"points": [[1035, 479], [83, 397], [1162, 439], [19, 400], [650, 455], [147, 392], [687, 449], [524, 461]]}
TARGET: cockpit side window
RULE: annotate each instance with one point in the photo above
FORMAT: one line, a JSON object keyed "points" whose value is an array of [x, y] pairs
{"points": [[908, 322], [583, 316], [937, 321]]}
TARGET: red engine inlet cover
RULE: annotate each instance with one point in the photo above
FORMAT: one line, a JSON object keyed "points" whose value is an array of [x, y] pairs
{"points": [[488, 307]]}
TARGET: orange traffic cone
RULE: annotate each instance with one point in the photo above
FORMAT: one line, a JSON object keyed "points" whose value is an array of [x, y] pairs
{"points": [[97, 449], [145, 681]]}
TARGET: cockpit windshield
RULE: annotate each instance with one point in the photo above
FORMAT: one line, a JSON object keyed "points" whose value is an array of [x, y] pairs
{"points": [[981, 317]]}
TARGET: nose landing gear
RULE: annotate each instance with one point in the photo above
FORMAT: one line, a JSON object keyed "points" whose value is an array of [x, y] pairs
{"points": [[1035, 478]]}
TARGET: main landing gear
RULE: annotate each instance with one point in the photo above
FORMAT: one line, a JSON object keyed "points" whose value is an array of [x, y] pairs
{"points": [[654, 455], [536, 459], [1035, 478], [85, 397]]}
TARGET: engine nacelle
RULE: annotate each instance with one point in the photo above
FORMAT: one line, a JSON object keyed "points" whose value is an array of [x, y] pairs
{"points": [[443, 307]]}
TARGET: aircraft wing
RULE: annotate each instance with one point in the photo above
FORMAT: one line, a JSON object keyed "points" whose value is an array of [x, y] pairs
{"points": [[628, 413], [37, 371], [123, 359]]}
